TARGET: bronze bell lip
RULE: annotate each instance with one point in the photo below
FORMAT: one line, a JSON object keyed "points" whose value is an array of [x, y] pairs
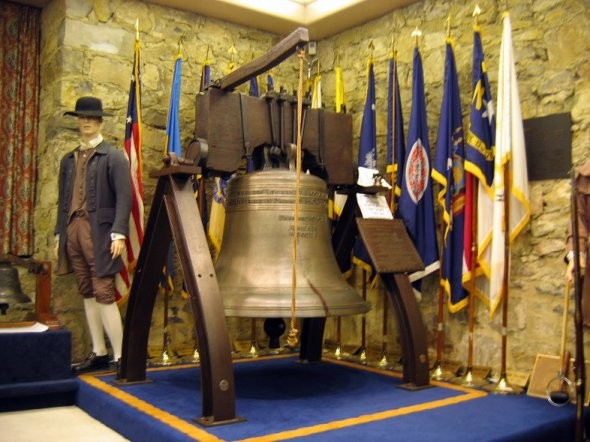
{"points": [[255, 265]]}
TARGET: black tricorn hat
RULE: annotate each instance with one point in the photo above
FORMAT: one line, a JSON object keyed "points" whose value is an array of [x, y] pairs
{"points": [[88, 107]]}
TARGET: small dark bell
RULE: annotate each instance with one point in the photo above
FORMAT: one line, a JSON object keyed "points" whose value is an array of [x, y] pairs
{"points": [[10, 289]]}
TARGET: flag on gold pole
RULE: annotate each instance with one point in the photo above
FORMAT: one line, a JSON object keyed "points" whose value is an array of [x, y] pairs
{"points": [[340, 102], [367, 155], [449, 172], [511, 194], [134, 240], [173, 146], [416, 202], [336, 200], [479, 167], [396, 144], [216, 223]]}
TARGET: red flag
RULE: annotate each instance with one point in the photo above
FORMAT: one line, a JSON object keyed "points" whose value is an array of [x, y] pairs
{"points": [[479, 168], [133, 153]]}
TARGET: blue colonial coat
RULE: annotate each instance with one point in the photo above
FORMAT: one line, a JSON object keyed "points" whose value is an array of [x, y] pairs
{"points": [[108, 199]]}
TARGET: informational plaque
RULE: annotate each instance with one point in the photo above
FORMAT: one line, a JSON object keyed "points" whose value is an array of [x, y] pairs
{"points": [[373, 206], [389, 245]]}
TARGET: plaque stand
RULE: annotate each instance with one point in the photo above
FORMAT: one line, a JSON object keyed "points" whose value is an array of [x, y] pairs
{"points": [[393, 255]]}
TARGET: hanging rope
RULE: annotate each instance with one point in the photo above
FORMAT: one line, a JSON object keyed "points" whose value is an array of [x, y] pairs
{"points": [[292, 338]]}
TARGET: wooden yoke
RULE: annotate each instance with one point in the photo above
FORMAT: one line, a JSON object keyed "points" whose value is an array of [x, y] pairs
{"points": [[278, 53], [233, 125], [174, 216]]}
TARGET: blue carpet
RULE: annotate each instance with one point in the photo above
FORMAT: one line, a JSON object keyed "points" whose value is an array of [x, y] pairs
{"points": [[329, 401]]}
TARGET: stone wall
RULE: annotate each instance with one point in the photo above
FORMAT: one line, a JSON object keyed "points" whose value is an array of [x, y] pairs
{"points": [[88, 49], [553, 78]]}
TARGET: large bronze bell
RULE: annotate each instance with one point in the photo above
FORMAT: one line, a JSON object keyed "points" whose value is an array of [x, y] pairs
{"points": [[10, 289], [255, 265]]}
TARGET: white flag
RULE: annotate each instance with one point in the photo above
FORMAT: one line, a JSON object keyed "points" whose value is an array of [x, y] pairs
{"points": [[510, 164]]}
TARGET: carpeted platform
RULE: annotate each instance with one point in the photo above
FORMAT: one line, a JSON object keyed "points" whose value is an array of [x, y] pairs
{"points": [[282, 399], [35, 370]]}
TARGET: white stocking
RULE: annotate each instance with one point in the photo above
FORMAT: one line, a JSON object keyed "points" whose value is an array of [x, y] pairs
{"points": [[111, 320], [93, 318]]}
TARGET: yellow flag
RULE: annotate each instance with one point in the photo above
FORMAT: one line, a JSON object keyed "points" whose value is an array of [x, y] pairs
{"points": [[340, 104]]}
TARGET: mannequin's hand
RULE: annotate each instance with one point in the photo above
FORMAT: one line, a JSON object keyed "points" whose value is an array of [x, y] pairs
{"points": [[117, 248], [569, 272]]}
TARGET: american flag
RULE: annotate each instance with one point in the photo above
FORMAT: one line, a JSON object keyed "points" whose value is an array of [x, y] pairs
{"points": [[133, 153]]}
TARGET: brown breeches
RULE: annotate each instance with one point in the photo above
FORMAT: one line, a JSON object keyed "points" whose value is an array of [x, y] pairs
{"points": [[81, 255]]}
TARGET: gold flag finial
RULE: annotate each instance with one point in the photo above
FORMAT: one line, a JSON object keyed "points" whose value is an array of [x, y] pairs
{"points": [[371, 49], [136, 29], [449, 26], [179, 54], [232, 51], [207, 61], [476, 13], [392, 48], [416, 33]]}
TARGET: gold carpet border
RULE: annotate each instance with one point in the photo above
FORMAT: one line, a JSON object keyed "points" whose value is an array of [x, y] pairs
{"points": [[470, 394], [349, 422], [163, 416], [193, 431], [395, 374]]}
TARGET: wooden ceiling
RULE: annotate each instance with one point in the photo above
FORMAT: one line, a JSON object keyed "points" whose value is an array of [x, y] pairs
{"points": [[322, 18]]}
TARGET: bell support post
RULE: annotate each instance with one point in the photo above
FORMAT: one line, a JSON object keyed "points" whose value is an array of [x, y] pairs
{"points": [[173, 217]]}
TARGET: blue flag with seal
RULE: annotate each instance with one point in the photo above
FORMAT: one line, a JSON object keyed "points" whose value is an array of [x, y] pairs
{"points": [[449, 172], [416, 205], [367, 156]]}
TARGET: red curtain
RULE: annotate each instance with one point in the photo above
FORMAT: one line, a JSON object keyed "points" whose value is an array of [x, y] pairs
{"points": [[19, 114]]}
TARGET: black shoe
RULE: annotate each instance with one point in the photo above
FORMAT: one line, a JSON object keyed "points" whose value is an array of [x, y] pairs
{"points": [[92, 363], [115, 365]]}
